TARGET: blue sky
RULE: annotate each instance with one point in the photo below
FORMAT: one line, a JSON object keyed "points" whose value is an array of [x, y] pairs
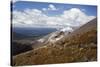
{"points": [[88, 9], [53, 15]]}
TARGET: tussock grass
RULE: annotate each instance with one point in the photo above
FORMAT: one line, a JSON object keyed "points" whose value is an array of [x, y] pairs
{"points": [[77, 48]]}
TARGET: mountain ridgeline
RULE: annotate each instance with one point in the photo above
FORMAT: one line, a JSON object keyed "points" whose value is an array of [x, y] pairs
{"points": [[79, 45]]}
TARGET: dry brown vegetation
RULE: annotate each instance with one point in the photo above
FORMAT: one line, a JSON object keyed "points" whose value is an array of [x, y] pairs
{"points": [[77, 48]]}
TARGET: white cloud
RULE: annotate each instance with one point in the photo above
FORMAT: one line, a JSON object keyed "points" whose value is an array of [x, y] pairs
{"points": [[44, 9], [76, 16], [50, 7], [36, 18]]}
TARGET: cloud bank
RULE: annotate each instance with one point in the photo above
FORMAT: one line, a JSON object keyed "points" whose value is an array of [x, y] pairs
{"points": [[36, 18]]}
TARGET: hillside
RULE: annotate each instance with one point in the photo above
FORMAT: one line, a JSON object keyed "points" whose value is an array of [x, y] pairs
{"points": [[78, 46]]}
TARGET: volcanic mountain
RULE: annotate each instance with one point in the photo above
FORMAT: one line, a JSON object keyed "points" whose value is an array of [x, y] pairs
{"points": [[79, 45]]}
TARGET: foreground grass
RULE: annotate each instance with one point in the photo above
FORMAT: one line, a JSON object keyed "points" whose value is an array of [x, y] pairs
{"points": [[80, 48]]}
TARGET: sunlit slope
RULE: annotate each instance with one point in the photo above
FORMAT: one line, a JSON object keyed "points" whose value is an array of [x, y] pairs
{"points": [[78, 46]]}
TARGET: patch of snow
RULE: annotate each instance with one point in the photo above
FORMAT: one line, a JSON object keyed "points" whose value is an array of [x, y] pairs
{"points": [[67, 29], [41, 40]]}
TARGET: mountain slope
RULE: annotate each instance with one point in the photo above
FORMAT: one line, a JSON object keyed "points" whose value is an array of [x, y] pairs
{"points": [[78, 46], [92, 25]]}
